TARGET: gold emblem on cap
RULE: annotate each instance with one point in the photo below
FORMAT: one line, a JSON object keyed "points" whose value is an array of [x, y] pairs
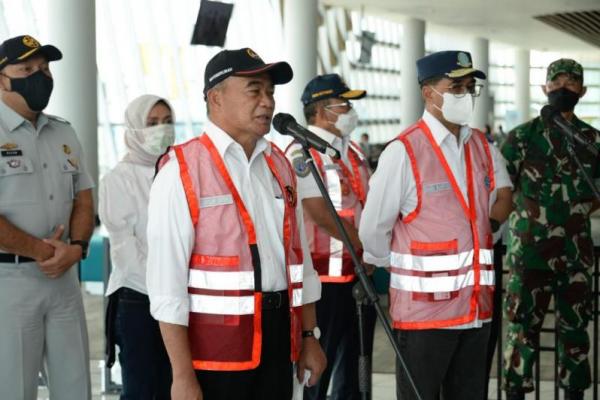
{"points": [[30, 42], [66, 149], [252, 54], [9, 146], [463, 60]]}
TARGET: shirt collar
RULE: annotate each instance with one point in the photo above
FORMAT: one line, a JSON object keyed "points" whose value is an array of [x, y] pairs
{"points": [[10, 118], [13, 119], [224, 143], [338, 143], [441, 133]]}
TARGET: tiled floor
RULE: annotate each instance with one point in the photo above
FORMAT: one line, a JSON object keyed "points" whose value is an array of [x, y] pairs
{"points": [[383, 358]]}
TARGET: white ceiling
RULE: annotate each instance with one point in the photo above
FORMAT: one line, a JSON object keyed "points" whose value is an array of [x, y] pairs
{"points": [[505, 21]]}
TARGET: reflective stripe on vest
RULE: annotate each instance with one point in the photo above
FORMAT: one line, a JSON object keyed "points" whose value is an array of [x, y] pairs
{"points": [[447, 262], [222, 305], [433, 284]]}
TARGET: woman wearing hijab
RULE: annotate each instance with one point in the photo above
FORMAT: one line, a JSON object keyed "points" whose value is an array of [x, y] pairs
{"points": [[123, 200]]}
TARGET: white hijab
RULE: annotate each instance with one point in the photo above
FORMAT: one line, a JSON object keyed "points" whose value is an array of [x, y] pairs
{"points": [[136, 115]]}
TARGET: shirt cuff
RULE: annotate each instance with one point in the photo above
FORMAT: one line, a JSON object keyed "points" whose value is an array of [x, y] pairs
{"points": [[172, 310], [311, 289], [377, 261]]}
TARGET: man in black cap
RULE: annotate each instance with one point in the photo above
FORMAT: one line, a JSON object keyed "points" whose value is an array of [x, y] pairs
{"points": [[330, 115], [46, 220], [230, 286], [439, 193]]}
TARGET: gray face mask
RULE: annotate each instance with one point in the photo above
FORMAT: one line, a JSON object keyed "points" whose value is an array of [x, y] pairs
{"points": [[35, 89]]}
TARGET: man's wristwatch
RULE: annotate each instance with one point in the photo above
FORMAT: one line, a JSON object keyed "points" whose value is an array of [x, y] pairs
{"points": [[315, 332], [84, 247]]}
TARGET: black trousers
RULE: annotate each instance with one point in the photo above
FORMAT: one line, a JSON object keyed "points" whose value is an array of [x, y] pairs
{"points": [[272, 380], [450, 362], [338, 321]]}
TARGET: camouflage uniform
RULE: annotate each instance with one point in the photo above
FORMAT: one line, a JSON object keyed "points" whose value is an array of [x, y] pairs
{"points": [[550, 251]]}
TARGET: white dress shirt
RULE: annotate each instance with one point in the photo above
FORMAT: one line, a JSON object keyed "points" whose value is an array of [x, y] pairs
{"points": [[122, 207], [393, 192], [307, 186], [171, 234]]}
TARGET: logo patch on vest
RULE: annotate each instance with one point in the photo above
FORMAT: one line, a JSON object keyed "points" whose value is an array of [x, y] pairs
{"points": [[437, 187], [215, 201], [487, 183], [300, 167]]}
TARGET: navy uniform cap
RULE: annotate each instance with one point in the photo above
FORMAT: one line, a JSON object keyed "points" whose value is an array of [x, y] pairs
{"points": [[329, 86], [20, 48], [447, 64], [243, 62]]}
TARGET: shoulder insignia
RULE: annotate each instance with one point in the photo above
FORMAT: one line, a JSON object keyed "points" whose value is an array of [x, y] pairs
{"points": [[58, 119]]}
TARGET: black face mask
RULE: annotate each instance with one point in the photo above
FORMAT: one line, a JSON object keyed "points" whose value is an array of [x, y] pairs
{"points": [[563, 99], [35, 89]]}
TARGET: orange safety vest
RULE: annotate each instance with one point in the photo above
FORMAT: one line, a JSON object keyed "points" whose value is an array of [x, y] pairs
{"points": [[347, 190], [225, 276], [442, 271]]}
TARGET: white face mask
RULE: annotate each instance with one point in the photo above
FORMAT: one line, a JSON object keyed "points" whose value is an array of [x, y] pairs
{"points": [[347, 122], [157, 138], [457, 110]]}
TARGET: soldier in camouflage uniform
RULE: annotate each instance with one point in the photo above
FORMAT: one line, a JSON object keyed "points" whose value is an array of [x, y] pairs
{"points": [[550, 250]]}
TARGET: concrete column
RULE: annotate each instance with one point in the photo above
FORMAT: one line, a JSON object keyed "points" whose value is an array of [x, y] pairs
{"points": [[300, 42], [481, 61], [413, 48], [522, 86], [72, 28]]}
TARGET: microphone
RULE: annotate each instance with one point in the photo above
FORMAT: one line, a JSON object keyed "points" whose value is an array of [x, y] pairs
{"points": [[287, 125], [551, 116]]}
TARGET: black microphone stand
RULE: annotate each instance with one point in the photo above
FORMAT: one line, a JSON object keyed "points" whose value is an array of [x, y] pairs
{"points": [[364, 280]]}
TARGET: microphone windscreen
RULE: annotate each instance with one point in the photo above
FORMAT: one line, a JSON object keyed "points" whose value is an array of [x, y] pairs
{"points": [[281, 122], [547, 112]]}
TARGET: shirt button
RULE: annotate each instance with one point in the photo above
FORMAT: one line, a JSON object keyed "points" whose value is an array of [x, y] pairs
{"points": [[51, 197], [45, 165]]}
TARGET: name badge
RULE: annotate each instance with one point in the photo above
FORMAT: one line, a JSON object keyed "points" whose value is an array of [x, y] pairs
{"points": [[437, 187], [332, 166], [11, 153], [215, 201]]}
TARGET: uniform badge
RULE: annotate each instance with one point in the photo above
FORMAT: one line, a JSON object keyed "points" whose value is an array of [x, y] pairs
{"points": [[463, 60], [291, 195], [66, 149], [300, 167], [487, 182], [9, 146], [14, 163], [30, 42]]}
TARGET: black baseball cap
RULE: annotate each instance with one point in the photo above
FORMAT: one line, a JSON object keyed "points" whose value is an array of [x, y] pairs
{"points": [[20, 48], [449, 64], [328, 86], [243, 62]]}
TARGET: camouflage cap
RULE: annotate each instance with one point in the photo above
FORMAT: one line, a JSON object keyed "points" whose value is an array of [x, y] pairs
{"points": [[564, 66]]}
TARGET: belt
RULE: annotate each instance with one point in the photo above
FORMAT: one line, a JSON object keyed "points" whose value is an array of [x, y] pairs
{"points": [[14, 258], [275, 300]]}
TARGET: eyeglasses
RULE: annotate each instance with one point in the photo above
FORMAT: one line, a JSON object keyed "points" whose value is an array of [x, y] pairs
{"points": [[460, 91]]}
